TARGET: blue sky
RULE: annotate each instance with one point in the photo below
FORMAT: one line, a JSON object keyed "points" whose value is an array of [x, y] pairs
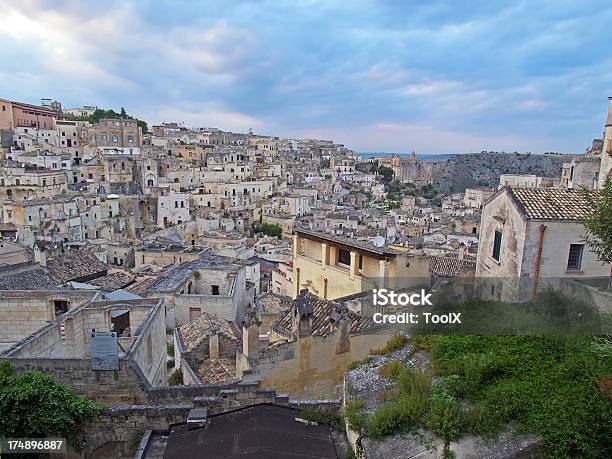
{"points": [[435, 76]]}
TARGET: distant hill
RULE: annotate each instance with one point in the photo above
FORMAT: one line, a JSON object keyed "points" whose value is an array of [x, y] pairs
{"points": [[462, 171], [424, 156]]}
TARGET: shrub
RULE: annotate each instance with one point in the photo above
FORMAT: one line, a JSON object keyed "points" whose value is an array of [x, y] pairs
{"points": [[34, 405], [443, 416], [412, 380], [323, 417], [407, 411], [391, 370], [170, 364], [176, 378], [354, 417], [388, 394], [395, 342], [170, 349], [420, 342]]}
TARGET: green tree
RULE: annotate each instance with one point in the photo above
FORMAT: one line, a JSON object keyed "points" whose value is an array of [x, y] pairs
{"points": [[270, 229], [34, 405], [123, 113], [599, 224]]}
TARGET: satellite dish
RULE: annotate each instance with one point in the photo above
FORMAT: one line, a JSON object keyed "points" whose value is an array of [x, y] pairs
{"points": [[378, 241]]}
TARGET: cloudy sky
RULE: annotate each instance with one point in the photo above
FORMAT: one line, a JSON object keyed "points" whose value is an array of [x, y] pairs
{"points": [[435, 76]]}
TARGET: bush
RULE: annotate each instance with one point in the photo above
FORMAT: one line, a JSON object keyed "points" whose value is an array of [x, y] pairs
{"points": [[443, 417], [354, 417], [391, 370], [395, 342], [170, 364], [323, 417], [407, 411], [34, 405], [170, 349], [269, 229], [412, 380], [176, 378], [545, 384]]}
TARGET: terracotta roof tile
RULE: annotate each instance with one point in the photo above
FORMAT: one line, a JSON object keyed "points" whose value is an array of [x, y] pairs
{"points": [[551, 203], [322, 311], [202, 327]]}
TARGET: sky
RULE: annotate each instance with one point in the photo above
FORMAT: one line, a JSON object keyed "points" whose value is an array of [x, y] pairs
{"points": [[431, 76]]}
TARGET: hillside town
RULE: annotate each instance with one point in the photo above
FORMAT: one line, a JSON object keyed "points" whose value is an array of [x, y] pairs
{"points": [[234, 269]]}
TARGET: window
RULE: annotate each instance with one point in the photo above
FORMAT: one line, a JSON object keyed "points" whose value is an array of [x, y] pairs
{"points": [[344, 257], [214, 289], [120, 322], [115, 138], [130, 138], [497, 245], [574, 260]]}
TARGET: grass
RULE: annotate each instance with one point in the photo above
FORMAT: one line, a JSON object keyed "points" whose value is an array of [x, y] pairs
{"points": [[391, 370], [354, 417], [170, 349], [323, 417], [544, 384], [356, 363], [406, 412], [176, 378], [395, 342], [547, 385]]}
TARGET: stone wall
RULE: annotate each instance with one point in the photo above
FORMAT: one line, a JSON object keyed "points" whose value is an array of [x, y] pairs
{"points": [[119, 427], [24, 312]]}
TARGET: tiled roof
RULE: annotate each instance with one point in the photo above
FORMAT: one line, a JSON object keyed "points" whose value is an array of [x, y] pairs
{"points": [[76, 265], [450, 266], [274, 303], [175, 277], [322, 311], [551, 203], [202, 327], [140, 286], [35, 279], [216, 371], [113, 281]]}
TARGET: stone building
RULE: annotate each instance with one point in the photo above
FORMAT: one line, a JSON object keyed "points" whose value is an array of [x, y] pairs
{"points": [[62, 347], [205, 349], [411, 169], [333, 266], [530, 234], [209, 284], [19, 114], [113, 136]]}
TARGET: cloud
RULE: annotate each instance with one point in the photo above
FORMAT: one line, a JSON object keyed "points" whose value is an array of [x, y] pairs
{"points": [[405, 137], [433, 75]]}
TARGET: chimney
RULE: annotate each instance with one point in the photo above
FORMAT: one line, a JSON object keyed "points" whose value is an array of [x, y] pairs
{"points": [[213, 346], [302, 315], [609, 120], [461, 252], [250, 335], [343, 329], [40, 255]]}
